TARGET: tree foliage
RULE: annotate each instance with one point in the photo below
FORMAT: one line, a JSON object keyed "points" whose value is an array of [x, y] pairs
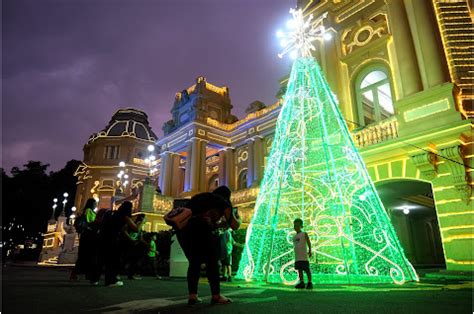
{"points": [[27, 197]]}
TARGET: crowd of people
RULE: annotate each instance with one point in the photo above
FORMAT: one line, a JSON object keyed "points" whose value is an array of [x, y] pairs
{"points": [[111, 241]]}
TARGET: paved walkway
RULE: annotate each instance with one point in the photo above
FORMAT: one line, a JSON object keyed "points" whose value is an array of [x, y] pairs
{"points": [[46, 290]]}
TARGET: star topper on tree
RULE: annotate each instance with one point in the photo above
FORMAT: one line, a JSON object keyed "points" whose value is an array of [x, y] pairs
{"points": [[298, 41]]}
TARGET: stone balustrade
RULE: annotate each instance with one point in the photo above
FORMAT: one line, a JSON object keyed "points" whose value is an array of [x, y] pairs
{"points": [[378, 132]]}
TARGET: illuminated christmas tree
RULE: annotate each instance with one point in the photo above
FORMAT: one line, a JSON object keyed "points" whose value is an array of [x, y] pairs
{"points": [[314, 172]]}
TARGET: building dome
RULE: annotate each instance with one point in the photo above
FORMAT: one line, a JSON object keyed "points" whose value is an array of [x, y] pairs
{"points": [[127, 122]]}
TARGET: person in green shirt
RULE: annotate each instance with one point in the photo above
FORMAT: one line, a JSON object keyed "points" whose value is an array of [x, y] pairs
{"points": [[151, 257], [134, 247]]}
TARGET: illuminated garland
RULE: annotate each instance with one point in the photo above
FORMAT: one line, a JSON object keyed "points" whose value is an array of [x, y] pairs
{"points": [[315, 173]]}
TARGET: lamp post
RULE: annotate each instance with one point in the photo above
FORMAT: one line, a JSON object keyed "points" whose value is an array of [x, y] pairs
{"points": [[65, 195], [150, 161], [55, 201], [73, 215], [120, 184], [123, 178]]}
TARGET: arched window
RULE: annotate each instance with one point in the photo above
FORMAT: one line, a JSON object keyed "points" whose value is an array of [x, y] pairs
{"points": [[242, 182], [374, 96]]}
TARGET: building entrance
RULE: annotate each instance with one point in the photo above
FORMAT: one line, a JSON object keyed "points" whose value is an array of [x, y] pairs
{"points": [[412, 211]]}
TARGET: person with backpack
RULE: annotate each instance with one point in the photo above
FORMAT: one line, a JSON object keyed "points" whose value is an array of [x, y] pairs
{"points": [[83, 225], [111, 228], [134, 246], [199, 238]]}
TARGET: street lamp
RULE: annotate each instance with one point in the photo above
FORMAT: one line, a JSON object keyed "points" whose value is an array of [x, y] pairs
{"points": [[123, 178], [150, 161], [55, 201], [64, 204]]}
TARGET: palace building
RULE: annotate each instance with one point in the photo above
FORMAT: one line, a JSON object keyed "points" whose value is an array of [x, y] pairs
{"points": [[403, 73]]}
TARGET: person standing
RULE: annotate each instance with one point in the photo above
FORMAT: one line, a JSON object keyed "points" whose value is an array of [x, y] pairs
{"points": [[85, 253], [300, 241], [111, 229], [96, 260], [150, 239], [200, 241], [134, 246], [227, 246]]}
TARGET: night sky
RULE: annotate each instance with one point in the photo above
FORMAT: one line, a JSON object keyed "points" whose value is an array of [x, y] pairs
{"points": [[68, 65]]}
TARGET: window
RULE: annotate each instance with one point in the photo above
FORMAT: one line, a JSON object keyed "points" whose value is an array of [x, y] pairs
{"points": [[242, 181], [108, 183], [117, 129], [112, 152], [374, 96]]}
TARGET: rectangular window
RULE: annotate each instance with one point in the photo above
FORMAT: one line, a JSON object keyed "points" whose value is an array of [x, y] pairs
{"points": [[112, 152], [48, 242]]}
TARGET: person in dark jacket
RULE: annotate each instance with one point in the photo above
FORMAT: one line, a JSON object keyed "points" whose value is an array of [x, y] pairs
{"points": [[200, 241], [135, 247], [111, 229], [86, 248]]}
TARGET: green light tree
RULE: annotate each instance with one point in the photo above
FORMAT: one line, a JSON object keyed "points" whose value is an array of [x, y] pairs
{"points": [[314, 172]]}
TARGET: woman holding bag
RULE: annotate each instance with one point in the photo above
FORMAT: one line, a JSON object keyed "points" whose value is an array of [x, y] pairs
{"points": [[200, 241]]}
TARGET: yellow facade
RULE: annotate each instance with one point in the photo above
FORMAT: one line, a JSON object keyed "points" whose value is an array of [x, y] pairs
{"points": [[413, 41]]}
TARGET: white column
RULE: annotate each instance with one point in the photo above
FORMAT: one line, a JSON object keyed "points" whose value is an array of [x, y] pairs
{"points": [[428, 51], [203, 166], [407, 75], [229, 168], [161, 181], [187, 173], [222, 166], [258, 160], [175, 177], [195, 165], [167, 178], [166, 173], [250, 164]]}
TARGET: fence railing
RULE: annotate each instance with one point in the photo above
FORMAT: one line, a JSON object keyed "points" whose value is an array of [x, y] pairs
{"points": [[376, 133]]}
